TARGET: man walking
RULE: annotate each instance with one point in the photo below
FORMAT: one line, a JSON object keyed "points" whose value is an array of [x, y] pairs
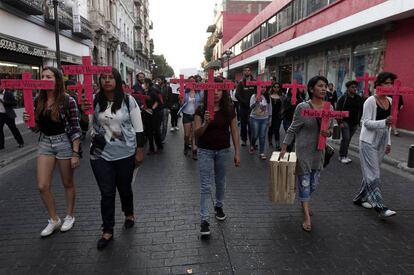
{"points": [[8, 116], [243, 95], [352, 103]]}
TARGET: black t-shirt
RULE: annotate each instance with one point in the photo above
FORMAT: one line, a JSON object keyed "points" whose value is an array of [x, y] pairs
{"points": [[217, 134], [383, 114], [49, 127]]}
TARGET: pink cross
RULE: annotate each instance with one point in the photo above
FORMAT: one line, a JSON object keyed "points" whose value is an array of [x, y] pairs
{"points": [[326, 114], [28, 85], [78, 88], [87, 70], [260, 84], [182, 82], [395, 91], [294, 89], [366, 79], [210, 87]]}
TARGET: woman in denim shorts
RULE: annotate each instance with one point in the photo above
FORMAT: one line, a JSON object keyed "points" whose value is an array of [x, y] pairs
{"points": [[213, 153], [305, 131], [56, 116]]}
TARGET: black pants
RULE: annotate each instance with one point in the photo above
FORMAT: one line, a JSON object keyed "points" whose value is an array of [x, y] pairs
{"points": [[174, 117], [274, 130], [347, 132], [4, 119], [154, 133], [112, 175], [244, 123]]}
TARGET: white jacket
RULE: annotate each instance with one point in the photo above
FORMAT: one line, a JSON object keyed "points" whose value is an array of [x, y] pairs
{"points": [[369, 122]]}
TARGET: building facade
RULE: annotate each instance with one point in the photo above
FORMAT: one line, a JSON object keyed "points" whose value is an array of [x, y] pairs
{"points": [[341, 39]]}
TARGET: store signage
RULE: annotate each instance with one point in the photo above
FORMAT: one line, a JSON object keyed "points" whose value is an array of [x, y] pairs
{"points": [[24, 48]]}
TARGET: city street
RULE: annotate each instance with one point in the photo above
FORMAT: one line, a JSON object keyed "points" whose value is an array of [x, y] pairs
{"points": [[258, 237]]}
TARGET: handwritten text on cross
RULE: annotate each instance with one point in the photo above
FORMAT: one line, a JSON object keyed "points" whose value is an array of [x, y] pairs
{"points": [[326, 114]]}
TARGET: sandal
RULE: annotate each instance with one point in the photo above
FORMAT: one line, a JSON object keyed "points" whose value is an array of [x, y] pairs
{"points": [[306, 227]]}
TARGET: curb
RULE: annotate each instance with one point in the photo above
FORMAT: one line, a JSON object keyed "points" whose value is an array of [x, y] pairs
{"points": [[14, 158], [388, 160]]}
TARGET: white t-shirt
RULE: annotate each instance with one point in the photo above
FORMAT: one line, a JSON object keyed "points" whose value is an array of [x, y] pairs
{"points": [[2, 109]]}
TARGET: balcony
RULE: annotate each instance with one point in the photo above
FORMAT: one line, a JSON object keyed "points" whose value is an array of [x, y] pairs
{"points": [[138, 46], [138, 3], [31, 7], [65, 19], [138, 23], [112, 31], [97, 21], [86, 30]]}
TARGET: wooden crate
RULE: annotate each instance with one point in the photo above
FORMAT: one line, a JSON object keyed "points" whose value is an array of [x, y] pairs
{"points": [[282, 186]]}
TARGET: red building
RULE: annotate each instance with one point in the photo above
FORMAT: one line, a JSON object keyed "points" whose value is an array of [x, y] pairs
{"points": [[341, 39]]}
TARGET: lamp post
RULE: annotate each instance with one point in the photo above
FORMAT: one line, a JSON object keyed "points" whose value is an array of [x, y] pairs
{"points": [[153, 68], [228, 54], [56, 15]]}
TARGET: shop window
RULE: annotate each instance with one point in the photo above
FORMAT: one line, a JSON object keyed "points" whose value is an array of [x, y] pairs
{"points": [[338, 69], [298, 73], [256, 36]]}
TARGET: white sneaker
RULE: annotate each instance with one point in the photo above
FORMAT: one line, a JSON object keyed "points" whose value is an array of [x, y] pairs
{"points": [[51, 227], [366, 205], [343, 160], [387, 213], [348, 160], [68, 222], [177, 128], [172, 129]]}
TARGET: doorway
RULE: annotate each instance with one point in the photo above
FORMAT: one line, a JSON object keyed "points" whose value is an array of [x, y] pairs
{"points": [[285, 73]]}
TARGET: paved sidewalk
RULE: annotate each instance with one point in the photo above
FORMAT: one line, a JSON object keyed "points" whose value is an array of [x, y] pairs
{"points": [[399, 149], [258, 237]]}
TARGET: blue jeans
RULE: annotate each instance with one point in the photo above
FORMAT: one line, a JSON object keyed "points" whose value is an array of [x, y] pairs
{"points": [[307, 184], [258, 130], [211, 163]]}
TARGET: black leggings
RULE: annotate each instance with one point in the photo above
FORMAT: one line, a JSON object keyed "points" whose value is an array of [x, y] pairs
{"points": [[174, 118], [112, 175]]}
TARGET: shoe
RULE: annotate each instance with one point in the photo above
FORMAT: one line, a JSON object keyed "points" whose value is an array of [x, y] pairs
{"points": [[205, 228], [186, 149], [195, 157], [348, 160], [244, 144], [387, 213], [1, 147], [68, 222], [172, 129], [102, 243], [306, 227], [129, 223], [21, 145], [343, 160], [263, 156], [366, 205], [251, 150], [219, 213], [177, 128], [51, 227]]}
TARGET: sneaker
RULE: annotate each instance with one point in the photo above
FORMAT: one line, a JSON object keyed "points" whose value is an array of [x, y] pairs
{"points": [[177, 128], [68, 222], [21, 145], [172, 129], [51, 227], [251, 150], [366, 205], [343, 160], [387, 213], [205, 228], [348, 160], [263, 156], [219, 213]]}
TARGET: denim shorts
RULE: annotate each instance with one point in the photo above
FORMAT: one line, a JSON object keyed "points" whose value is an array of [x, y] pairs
{"points": [[187, 118], [58, 146]]}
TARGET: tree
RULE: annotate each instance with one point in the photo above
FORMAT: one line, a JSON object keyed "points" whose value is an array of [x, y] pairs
{"points": [[163, 69]]}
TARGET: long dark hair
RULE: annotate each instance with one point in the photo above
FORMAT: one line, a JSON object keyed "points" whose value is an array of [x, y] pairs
{"points": [[225, 101], [383, 76], [59, 93], [118, 93]]}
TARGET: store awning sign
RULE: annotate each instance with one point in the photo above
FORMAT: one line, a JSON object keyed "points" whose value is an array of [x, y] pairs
{"points": [[25, 48]]}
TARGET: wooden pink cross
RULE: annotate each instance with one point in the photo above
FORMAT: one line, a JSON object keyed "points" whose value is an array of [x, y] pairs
{"points": [[326, 114], [87, 70], [260, 84], [294, 89], [78, 88], [127, 89], [182, 81], [27, 84], [210, 86], [366, 79], [395, 91]]}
